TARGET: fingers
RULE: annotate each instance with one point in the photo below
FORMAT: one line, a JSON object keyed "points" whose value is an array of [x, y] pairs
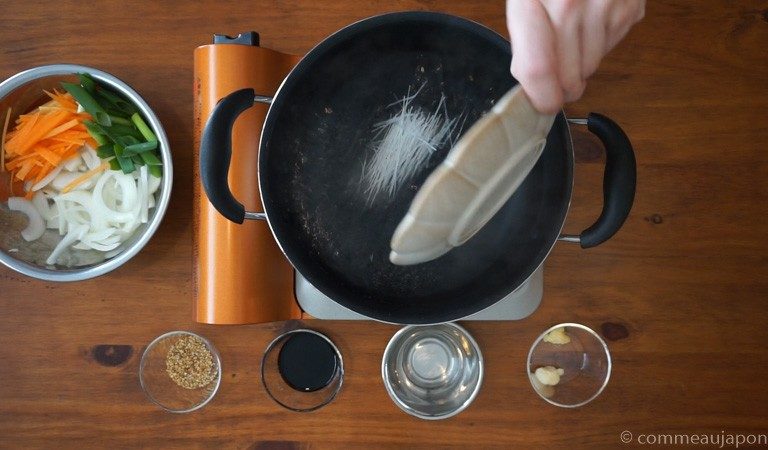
{"points": [[566, 19], [620, 20], [593, 37], [558, 44], [534, 54]]}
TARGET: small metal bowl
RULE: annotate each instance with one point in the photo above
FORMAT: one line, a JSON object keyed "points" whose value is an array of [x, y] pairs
{"points": [[24, 91], [434, 371]]}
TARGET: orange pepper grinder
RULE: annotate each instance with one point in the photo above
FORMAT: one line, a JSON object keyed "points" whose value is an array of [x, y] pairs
{"points": [[241, 276]]}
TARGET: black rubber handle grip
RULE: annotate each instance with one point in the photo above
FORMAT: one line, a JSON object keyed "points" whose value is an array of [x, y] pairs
{"points": [[216, 153], [619, 180]]}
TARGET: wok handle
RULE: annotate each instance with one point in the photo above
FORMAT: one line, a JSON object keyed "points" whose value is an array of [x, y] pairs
{"points": [[619, 181], [216, 153]]}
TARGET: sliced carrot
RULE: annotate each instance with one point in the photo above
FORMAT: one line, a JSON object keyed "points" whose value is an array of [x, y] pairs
{"points": [[49, 156], [26, 166], [65, 140], [43, 172], [34, 172], [44, 138], [72, 151], [73, 134], [62, 128], [64, 100], [16, 162], [21, 132]]}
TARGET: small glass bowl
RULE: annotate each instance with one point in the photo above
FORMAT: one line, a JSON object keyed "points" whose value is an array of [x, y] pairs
{"points": [[159, 386], [432, 371], [585, 362], [302, 370]]}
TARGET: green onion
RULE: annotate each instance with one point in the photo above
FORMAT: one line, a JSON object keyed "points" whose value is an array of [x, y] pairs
{"points": [[88, 103], [128, 140], [119, 120], [125, 163], [143, 128], [131, 150], [86, 81], [96, 132], [125, 130], [97, 135], [154, 164], [104, 131], [116, 101], [99, 138], [105, 151], [114, 112], [150, 159], [118, 128]]}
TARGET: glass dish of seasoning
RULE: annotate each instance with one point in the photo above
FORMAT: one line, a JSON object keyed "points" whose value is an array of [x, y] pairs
{"points": [[180, 371], [302, 370], [569, 365]]}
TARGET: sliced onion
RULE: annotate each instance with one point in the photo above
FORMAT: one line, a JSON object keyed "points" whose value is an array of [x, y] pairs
{"points": [[115, 252], [72, 235], [77, 215], [128, 191], [154, 184], [112, 240], [61, 207], [99, 207], [42, 206], [102, 213], [100, 235], [102, 247], [47, 179], [90, 157], [143, 188], [110, 193], [73, 164], [79, 209], [66, 178], [36, 227]]}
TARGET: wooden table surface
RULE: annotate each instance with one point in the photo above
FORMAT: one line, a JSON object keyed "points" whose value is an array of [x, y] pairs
{"points": [[681, 292]]}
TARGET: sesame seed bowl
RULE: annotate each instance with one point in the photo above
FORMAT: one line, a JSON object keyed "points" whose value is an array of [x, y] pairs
{"points": [[180, 371]]}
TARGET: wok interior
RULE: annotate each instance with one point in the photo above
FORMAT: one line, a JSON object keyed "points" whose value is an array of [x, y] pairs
{"points": [[319, 134]]}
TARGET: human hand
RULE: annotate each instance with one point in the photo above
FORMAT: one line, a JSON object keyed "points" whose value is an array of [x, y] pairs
{"points": [[558, 44]]}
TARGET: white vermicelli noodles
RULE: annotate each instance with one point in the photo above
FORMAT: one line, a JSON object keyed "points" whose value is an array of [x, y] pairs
{"points": [[403, 144]]}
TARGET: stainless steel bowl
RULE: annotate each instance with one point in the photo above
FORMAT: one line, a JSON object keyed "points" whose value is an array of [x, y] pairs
{"points": [[433, 371], [24, 91]]}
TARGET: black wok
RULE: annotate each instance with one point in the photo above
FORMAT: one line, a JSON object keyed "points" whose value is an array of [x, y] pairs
{"points": [[318, 133]]}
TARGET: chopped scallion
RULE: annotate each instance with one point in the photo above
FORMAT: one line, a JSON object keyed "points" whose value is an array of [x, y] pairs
{"points": [[89, 104], [143, 128], [141, 147]]}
